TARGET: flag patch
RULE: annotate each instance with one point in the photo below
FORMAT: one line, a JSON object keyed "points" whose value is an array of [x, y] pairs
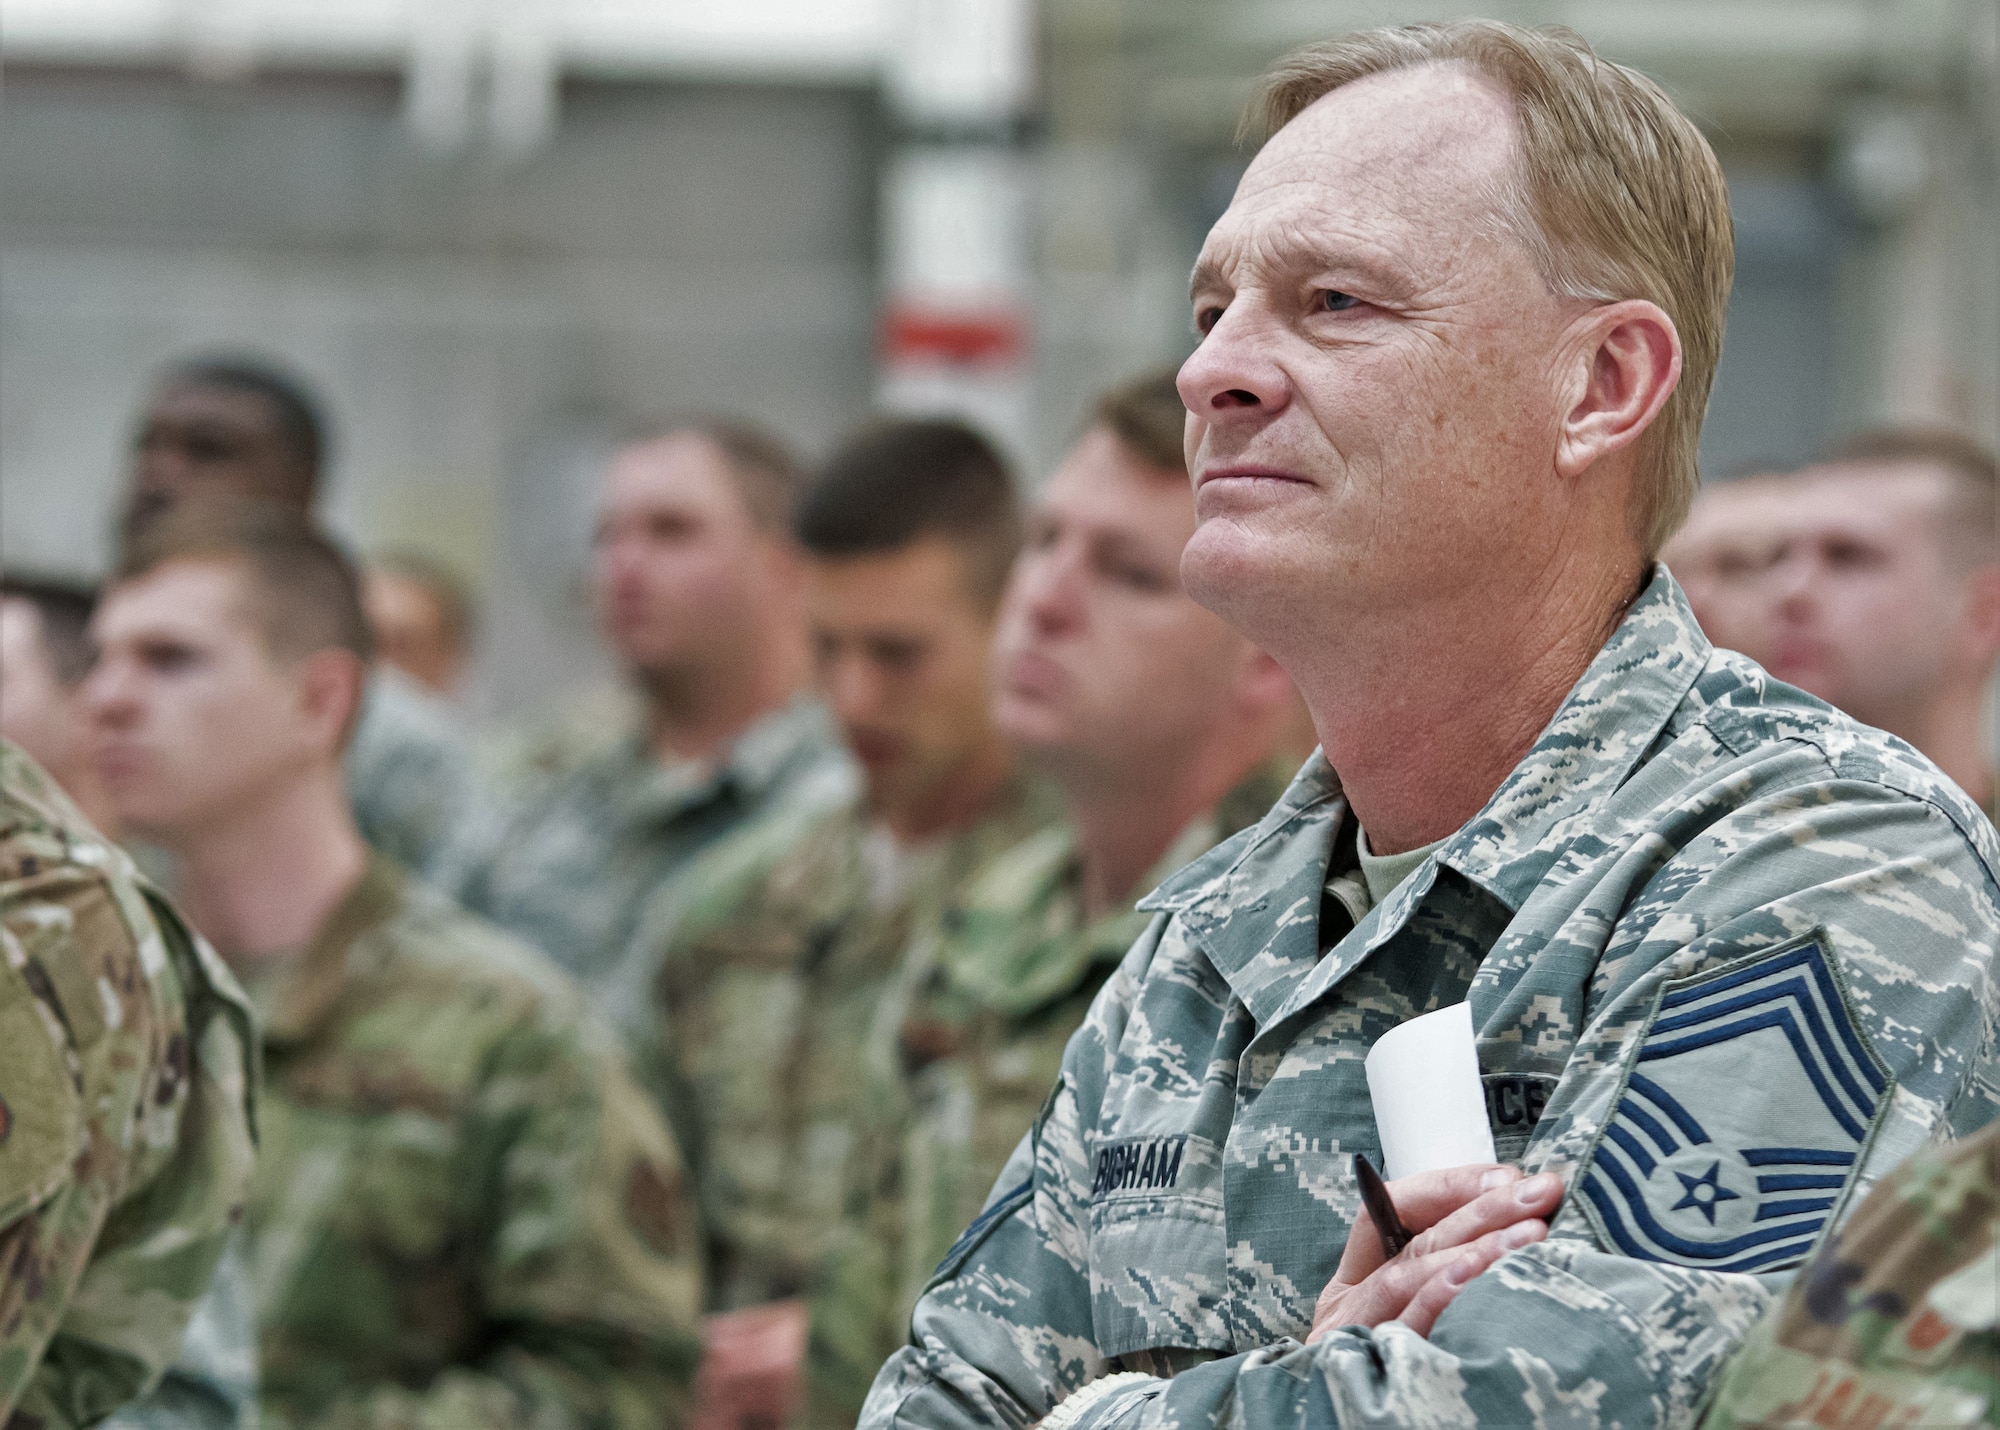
{"points": [[1743, 1117]]}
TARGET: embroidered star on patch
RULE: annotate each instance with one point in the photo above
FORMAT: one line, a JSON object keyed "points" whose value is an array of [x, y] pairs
{"points": [[1744, 1114]]}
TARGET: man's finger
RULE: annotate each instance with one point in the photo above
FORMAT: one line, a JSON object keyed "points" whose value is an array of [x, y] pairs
{"points": [[1459, 1267], [1528, 1199]]}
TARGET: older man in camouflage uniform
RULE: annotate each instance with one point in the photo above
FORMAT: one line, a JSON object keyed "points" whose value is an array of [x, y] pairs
{"points": [[465, 1212], [1728, 955], [1896, 1323], [126, 1138], [1158, 723]]}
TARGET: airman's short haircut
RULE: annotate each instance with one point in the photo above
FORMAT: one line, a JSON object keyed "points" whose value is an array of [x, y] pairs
{"points": [[63, 609], [1971, 518], [1615, 194], [765, 472], [304, 592], [1146, 414], [896, 482]]}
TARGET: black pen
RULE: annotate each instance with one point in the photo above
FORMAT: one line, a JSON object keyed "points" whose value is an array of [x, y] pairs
{"points": [[1382, 1211]]}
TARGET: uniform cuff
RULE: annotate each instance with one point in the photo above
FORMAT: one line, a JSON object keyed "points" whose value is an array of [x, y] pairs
{"points": [[1070, 1414]]}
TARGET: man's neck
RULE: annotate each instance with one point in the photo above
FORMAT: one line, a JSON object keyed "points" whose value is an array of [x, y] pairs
{"points": [[959, 801], [264, 881], [697, 714], [1425, 713], [1124, 826]]}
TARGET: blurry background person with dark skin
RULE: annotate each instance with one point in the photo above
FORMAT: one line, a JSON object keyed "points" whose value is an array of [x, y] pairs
{"points": [[234, 428], [1158, 726], [422, 614], [698, 590], [770, 982], [437, 1098], [1879, 592], [44, 655]]}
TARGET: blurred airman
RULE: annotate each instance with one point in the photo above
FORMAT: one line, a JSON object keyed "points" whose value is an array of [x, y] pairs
{"points": [[1882, 593], [422, 614], [44, 655], [239, 429], [465, 1212], [1160, 726], [1725, 550], [768, 990], [698, 588]]}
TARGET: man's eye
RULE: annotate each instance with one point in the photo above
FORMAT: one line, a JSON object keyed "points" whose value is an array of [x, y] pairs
{"points": [[1329, 300], [1206, 318]]}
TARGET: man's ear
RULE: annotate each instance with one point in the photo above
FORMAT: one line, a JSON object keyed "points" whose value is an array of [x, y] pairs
{"points": [[331, 683], [1626, 365], [1982, 615]]}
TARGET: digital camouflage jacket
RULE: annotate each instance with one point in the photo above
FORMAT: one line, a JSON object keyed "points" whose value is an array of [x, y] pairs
{"points": [[1729, 957], [127, 1073], [466, 1212], [1896, 1323]]}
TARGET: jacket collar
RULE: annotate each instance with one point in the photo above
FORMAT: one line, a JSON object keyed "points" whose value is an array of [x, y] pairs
{"points": [[1253, 905]]}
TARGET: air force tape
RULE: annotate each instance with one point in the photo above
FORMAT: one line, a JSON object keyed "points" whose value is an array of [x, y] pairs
{"points": [[1743, 1117]]}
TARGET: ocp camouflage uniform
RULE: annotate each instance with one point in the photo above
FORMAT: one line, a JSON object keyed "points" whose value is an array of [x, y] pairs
{"points": [[127, 1069], [765, 1001], [592, 867], [1729, 957], [1896, 1322], [978, 1018], [409, 771], [466, 1213], [212, 1384]]}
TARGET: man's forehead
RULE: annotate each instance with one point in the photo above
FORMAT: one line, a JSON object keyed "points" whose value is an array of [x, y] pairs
{"points": [[198, 401], [1406, 148], [680, 470], [1107, 491], [187, 598]]}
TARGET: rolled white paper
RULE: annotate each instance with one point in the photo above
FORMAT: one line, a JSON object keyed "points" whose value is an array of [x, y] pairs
{"points": [[1430, 1107]]}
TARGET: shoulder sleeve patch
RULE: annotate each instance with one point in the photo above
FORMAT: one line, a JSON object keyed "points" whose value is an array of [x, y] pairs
{"points": [[1742, 1119]]}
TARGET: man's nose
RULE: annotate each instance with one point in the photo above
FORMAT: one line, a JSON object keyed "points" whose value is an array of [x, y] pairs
{"points": [[1234, 376], [108, 696], [1052, 592]]}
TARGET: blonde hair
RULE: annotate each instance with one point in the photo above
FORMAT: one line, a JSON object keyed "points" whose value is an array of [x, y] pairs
{"points": [[1616, 195]]}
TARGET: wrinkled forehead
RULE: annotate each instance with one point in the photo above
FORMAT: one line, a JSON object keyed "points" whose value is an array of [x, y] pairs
{"points": [[1408, 160]]}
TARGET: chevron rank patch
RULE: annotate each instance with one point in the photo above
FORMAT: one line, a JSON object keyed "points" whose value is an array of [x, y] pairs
{"points": [[1744, 1114]]}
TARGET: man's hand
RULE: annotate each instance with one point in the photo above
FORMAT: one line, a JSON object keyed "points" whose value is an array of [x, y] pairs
{"points": [[750, 1368], [1465, 1219]]}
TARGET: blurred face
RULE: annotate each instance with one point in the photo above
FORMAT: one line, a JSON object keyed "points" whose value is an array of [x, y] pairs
{"points": [[192, 719], [1104, 667], [676, 559], [37, 711], [411, 631], [902, 646], [1723, 554], [1378, 393], [1864, 604], [211, 442]]}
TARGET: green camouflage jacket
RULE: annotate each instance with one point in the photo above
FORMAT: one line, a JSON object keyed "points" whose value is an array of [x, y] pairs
{"points": [[765, 1003], [1729, 956], [466, 1213], [127, 1069], [976, 1021], [1896, 1323], [593, 865], [409, 771], [212, 1384]]}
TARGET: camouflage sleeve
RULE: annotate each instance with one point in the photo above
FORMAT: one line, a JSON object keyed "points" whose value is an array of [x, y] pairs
{"points": [[212, 1384], [191, 1149], [591, 1279], [1598, 1325]]}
